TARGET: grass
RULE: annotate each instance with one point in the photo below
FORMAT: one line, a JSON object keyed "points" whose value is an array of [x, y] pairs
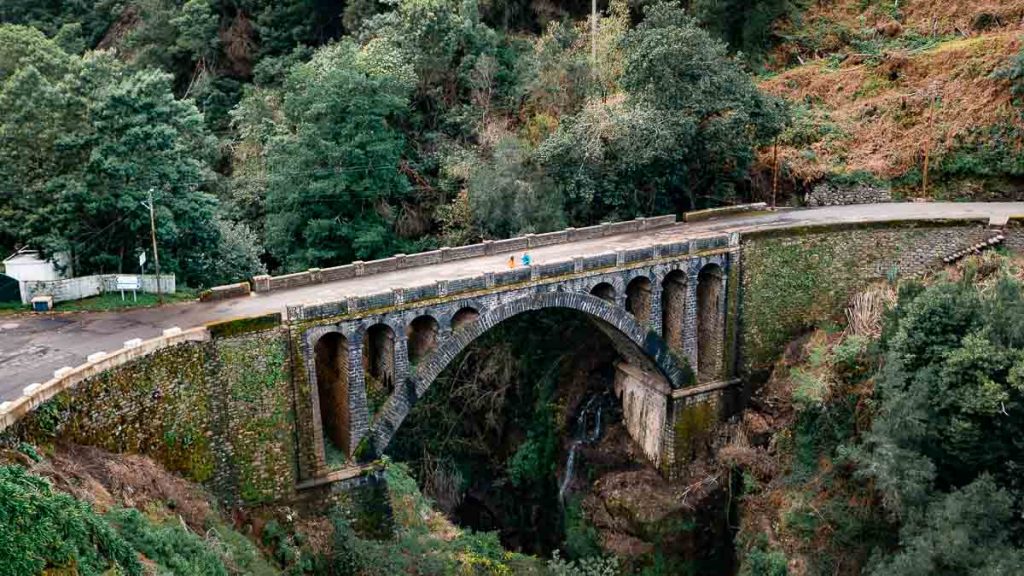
{"points": [[11, 308], [104, 302], [113, 301]]}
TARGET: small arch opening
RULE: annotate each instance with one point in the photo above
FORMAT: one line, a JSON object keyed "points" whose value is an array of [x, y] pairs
{"points": [[638, 298], [710, 323], [604, 291], [331, 360], [464, 316], [673, 309], [379, 365], [422, 337]]}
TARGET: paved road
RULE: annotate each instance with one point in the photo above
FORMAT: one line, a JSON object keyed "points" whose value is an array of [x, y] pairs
{"points": [[33, 346]]}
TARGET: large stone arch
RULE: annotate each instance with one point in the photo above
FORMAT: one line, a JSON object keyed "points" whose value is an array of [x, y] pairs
{"points": [[634, 342], [710, 321], [331, 364]]}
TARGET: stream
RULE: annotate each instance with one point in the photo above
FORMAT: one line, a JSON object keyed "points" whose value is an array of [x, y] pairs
{"points": [[587, 431]]}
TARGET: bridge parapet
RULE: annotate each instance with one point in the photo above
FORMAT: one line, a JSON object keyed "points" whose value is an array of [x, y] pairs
{"points": [[265, 283], [506, 278]]}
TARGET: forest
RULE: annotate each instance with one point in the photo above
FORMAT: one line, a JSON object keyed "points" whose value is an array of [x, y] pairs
{"points": [[285, 135]]}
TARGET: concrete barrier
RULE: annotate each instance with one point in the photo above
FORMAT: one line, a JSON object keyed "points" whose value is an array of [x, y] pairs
{"points": [[710, 213]]}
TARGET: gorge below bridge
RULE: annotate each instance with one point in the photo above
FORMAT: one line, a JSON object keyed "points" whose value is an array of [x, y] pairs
{"points": [[260, 393]]}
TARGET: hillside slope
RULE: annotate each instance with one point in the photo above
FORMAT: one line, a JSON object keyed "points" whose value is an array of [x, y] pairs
{"points": [[879, 91]]}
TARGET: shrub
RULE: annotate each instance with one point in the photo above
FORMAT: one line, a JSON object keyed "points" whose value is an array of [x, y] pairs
{"points": [[43, 529]]}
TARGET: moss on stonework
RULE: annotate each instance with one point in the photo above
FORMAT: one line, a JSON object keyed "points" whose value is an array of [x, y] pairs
{"points": [[253, 370], [218, 412], [795, 278], [155, 405], [692, 430], [230, 328], [732, 323], [363, 451], [376, 394]]}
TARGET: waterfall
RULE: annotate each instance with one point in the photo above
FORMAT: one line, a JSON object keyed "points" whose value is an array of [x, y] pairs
{"points": [[582, 435]]}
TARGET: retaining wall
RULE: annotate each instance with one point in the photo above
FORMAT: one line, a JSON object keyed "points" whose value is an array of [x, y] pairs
{"points": [[796, 278], [212, 404]]}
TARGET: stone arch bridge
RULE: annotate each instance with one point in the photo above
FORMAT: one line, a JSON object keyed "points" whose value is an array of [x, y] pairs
{"points": [[258, 404], [664, 309]]}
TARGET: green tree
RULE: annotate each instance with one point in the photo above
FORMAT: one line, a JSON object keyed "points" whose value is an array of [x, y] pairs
{"points": [[332, 164], [81, 146], [683, 135], [944, 448], [44, 529], [748, 26], [508, 195]]}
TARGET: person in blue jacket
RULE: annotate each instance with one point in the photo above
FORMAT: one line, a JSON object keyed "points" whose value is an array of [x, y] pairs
{"points": [[526, 259]]}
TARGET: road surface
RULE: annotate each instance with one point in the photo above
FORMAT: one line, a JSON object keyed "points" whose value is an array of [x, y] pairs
{"points": [[33, 346]]}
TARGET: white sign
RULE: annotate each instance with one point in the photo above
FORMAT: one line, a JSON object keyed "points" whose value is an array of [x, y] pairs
{"points": [[132, 283], [129, 283], [142, 259]]}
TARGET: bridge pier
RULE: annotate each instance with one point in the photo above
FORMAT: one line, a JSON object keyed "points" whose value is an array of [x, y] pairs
{"points": [[655, 316], [690, 319], [671, 427], [359, 417], [645, 401]]}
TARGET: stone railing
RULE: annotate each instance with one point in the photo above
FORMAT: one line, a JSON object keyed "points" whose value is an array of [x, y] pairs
{"points": [[488, 247], [490, 280], [35, 394], [224, 292], [710, 213]]}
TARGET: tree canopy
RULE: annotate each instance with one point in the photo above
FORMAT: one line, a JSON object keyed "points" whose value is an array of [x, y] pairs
{"points": [[288, 135]]}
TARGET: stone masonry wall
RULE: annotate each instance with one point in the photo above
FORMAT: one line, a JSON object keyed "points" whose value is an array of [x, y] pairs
{"points": [[249, 380], [217, 412], [831, 194], [794, 278]]}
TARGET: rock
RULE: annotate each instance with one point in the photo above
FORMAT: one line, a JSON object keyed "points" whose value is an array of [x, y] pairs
{"points": [[832, 194]]}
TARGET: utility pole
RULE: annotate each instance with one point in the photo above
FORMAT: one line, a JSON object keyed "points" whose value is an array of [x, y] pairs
{"points": [[775, 171], [152, 233], [932, 98], [593, 35]]}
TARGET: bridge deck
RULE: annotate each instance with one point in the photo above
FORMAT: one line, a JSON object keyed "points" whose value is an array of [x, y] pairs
{"points": [[32, 347]]}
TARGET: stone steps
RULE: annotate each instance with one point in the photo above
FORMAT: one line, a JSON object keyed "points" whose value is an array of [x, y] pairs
{"points": [[975, 249]]}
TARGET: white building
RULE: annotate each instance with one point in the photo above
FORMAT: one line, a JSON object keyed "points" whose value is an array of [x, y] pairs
{"points": [[28, 265]]}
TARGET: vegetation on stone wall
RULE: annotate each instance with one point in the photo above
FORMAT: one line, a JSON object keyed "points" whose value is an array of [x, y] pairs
{"points": [[154, 405], [220, 413], [796, 279], [254, 375]]}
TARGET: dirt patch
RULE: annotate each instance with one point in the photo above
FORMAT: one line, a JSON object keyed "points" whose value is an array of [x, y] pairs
{"points": [[106, 480], [880, 115]]}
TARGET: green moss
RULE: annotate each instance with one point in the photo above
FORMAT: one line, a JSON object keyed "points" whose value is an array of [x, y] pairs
{"points": [[197, 408], [230, 328], [797, 278], [258, 409], [363, 450], [692, 430]]}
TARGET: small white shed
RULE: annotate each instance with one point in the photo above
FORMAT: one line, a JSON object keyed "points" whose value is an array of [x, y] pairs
{"points": [[27, 265]]}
